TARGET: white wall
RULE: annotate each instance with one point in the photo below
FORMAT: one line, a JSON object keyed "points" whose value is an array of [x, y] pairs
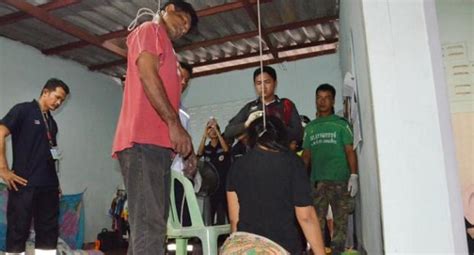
{"points": [[296, 80], [456, 21], [86, 123], [353, 55], [421, 207]]}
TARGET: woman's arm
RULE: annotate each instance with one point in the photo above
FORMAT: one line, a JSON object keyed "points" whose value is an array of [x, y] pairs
{"points": [[233, 206], [222, 141], [200, 151], [309, 223]]}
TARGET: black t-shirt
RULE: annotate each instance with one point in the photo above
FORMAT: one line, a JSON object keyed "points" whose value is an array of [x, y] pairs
{"points": [[238, 150], [269, 185], [221, 161], [32, 158]]}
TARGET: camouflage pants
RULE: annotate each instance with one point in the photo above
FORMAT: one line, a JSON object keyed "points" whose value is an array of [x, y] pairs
{"points": [[342, 204]]}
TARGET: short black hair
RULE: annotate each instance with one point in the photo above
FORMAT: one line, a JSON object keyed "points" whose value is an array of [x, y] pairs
{"points": [[327, 87], [273, 135], [187, 67], [266, 69], [53, 83], [186, 7]]}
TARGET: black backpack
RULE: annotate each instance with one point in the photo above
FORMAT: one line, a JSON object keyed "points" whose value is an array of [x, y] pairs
{"points": [[109, 240]]}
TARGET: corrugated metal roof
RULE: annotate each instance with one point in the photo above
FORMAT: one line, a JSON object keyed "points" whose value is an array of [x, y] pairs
{"points": [[226, 37]]}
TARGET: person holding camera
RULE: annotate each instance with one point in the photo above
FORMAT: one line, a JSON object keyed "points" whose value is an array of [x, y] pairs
{"points": [[216, 152]]}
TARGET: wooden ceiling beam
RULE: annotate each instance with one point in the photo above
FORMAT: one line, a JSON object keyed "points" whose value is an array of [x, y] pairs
{"points": [[254, 54], [65, 26], [217, 61], [266, 62], [227, 7], [18, 16], [240, 36], [251, 34], [80, 44], [265, 38], [107, 65], [124, 32], [248, 65], [216, 41]]}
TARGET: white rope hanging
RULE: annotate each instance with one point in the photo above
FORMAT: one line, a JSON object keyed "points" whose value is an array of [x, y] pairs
{"points": [[143, 12], [261, 68]]}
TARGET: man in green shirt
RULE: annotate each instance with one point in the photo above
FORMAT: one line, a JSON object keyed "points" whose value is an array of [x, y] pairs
{"points": [[327, 145]]}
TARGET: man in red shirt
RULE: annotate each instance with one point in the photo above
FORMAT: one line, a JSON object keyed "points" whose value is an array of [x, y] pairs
{"points": [[149, 132]]}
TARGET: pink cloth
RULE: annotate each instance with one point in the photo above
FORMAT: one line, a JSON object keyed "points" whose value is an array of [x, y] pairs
{"points": [[138, 121]]}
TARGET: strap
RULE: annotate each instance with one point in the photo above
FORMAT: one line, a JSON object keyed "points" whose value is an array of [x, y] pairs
{"points": [[287, 109]]}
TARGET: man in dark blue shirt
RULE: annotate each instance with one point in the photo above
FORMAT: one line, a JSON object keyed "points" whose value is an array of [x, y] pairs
{"points": [[32, 180]]}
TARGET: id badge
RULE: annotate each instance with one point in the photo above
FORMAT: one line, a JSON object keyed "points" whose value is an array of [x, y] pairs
{"points": [[55, 153]]}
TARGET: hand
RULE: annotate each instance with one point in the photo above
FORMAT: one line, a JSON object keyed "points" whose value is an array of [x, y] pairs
{"points": [[352, 185], [11, 179], [252, 117], [211, 123], [190, 166], [206, 131], [180, 140]]}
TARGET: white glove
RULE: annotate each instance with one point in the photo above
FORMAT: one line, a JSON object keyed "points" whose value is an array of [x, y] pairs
{"points": [[252, 117], [353, 185]]}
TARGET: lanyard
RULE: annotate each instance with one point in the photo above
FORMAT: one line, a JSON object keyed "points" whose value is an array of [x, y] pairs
{"points": [[48, 130]]}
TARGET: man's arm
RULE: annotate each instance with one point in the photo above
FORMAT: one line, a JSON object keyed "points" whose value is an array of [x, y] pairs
{"points": [[352, 184], [309, 223], [351, 158], [156, 94], [233, 206], [6, 174], [236, 125]]}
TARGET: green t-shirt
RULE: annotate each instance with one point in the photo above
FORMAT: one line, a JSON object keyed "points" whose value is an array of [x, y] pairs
{"points": [[326, 138]]}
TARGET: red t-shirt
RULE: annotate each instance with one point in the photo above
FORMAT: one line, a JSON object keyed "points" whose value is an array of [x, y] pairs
{"points": [[138, 121]]}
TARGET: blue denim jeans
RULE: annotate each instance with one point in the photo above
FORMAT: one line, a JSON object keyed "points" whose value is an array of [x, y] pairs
{"points": [[146, 173]]}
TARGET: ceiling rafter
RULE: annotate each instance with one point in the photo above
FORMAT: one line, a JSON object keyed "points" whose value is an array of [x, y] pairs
{"points": [[235, 37], [265, 62], [254, 17], [254, 54], [217, 61], [124, 32], [107, 65], [80, 44], [18, 16], [112, 41], [65, 26], [227, 7]]}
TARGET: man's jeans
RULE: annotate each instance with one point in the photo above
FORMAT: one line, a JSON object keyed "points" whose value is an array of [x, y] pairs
{"points": [[146, 174]]}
